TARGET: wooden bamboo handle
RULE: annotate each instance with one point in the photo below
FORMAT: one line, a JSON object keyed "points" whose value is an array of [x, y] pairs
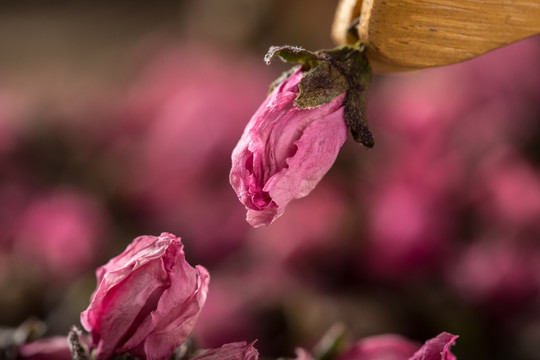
{"points": [[415, 34]]}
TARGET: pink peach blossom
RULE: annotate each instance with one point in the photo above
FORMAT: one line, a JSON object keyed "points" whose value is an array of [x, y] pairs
{"points": [[147, 300], [496, 270], [55, 221], [285, 151], [408, 229]]}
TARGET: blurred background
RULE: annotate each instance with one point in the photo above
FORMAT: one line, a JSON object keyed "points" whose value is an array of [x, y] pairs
{"points": [[118, 119]]}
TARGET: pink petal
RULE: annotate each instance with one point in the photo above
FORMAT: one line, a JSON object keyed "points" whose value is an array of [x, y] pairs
{"points": [[437, 348]]}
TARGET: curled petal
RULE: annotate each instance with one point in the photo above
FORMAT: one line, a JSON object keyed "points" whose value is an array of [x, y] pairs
{"points": [[437, 348]]}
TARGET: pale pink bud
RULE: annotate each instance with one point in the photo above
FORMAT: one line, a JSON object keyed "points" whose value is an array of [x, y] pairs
{"points": [[285, 151], [147, 300], [232, 351]]}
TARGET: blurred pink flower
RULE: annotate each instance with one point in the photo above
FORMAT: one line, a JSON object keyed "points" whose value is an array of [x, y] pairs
{"points": [[496, 271], [446, 130], [237, 306], [52, 223], [508, 190], [147, 300], [310, 224], [231, 303], [407, 229], [181, 102], [468, 109], [395, 347], [54, 348], [233, 351], [285, 151]]}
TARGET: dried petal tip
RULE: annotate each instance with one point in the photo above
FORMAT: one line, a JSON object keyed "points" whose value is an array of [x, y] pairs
{"points": [[437, 348]]}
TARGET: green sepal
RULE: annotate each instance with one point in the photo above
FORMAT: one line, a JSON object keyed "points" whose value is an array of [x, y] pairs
{"points": [[320, 85], [353, 63], [330, 73], [355, 117], [293, 54]]}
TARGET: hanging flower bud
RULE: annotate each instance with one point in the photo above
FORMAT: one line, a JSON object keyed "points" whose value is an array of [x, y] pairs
{"points": [[147, 300], [285, 151], [294, 137]]}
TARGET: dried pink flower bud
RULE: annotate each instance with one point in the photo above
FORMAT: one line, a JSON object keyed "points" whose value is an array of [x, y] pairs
{"points": [[285, 151], [232, 351], [147, 300]]}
